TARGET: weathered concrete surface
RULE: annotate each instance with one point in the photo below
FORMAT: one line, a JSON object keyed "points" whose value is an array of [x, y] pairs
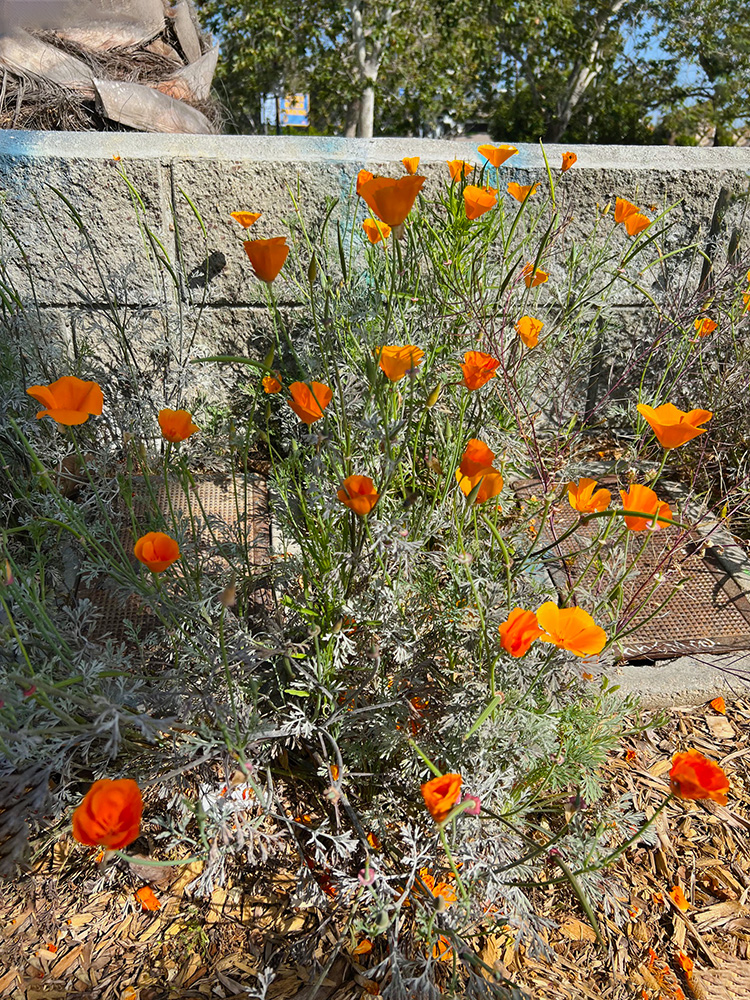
{"points": [[689, 680], [223, 173]]}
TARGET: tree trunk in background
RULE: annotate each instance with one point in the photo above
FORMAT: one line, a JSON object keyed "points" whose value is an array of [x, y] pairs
{"points": [[352, 120], [582, 76], [366, 112], [368, 66]]}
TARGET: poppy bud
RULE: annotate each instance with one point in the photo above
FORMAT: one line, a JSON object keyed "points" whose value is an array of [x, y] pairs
{"points": [[433, 397], [312, 271]]}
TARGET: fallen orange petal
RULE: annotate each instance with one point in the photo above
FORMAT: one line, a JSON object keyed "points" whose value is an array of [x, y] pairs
{"points": [[678, 898], [719, 705]]}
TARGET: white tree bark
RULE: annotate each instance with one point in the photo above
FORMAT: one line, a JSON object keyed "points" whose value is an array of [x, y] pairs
{"points": [[585, 71], [368, 65]]}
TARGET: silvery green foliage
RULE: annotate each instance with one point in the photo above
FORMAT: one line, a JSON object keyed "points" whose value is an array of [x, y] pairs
{"points": [[378, 640]]}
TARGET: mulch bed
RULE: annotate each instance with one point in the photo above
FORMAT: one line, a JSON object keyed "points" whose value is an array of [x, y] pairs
{"points": [[61, 933]]}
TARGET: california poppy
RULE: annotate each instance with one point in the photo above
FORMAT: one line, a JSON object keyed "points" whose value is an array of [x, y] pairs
{"points": [[245, 219], [478, 369], [157, 551], [410, 164], [528, 329], [746, 301], [358, 493], [568, 159], [397, 361], [176, 425], [147, 898], [518, 632], [636, 223], [497, 155], [362, 178], [582, 497], [267, 257], [476, 456], [309, 401], [459, 169], [110, 814], [442, 888], [533, 277], [694, 776], [476, 468], [375, 230], [478, 200], [521, 191], [704, 325], [271, 385], [69, 400], [392, 200], [674, 427], [624, 209], [571, 628], [441, 794], [641, 498]]}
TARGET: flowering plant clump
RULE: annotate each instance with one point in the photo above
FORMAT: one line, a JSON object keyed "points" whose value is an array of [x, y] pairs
{"points": [[379, 695]]}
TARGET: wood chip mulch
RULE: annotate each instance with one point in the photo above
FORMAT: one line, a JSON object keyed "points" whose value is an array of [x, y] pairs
{"points": [[59, 936]]}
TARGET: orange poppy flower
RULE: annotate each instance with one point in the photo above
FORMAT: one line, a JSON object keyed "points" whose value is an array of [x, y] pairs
{"points": [[245, 219], [147, 898], [364, 946], [476, 467], [518, 632], [686, 963], [267, 257], [582, 497], [410, 164], [271, 385], [157, 551], [358, 493], [459, 169], [397, 361], [478, 369], [476, 457], [746, 301], [719, 705], [442, 950], [568, 159], [521, 191], [176, 425], [674, 427], [694, 776], [392, 200], [528, 328], [478, 200], [571, 628], [533, 277], [490, 480], [309, 401], [678, 898], [497, 155], [441, 794], [376, 231], [444, 889], [635, 224], [704, 325], [362, 178], [624, 209], [110, 814], [643, 499], [69, 400]]}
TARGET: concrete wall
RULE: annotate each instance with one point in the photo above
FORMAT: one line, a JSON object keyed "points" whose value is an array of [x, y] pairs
{"points": [[49, 260]]}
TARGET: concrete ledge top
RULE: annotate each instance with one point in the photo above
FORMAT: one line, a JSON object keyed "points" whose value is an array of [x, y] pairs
{"points": [[275, 149]]}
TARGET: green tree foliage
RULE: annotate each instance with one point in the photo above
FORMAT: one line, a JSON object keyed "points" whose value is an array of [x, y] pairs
{"points": [[633, 71]]}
